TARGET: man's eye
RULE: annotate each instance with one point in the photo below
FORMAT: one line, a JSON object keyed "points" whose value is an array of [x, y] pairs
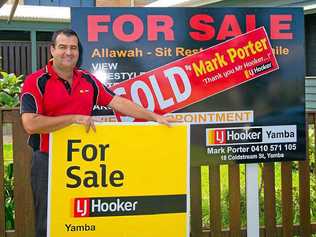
{"points": [[61, 47], [73, 47]]}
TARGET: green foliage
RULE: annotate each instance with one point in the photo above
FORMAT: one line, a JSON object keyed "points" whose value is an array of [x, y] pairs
{"points": [[10, 87], [8, 194], [8, 186], [311, 153], [7, 152]]}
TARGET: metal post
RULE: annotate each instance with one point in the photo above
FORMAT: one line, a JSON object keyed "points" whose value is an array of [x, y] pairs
{"points": [[252, 190]]}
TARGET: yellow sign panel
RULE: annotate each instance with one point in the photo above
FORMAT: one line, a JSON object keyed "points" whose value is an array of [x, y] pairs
{"points": [[125, 180]]}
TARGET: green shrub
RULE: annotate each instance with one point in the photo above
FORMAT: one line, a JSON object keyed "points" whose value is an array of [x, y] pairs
{"points": [[8, 194], [10, 87]]}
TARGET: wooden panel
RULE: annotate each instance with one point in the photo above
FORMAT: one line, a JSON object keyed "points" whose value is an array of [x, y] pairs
{"points": [[269, 199], [23, 60], [196, 204], [8, 116], [5, 58], [24, 214], [215, 198], [2, 210], [49, 56], [287, 199], [234, 200], [310, 118], [17, 59], [29, 59], [1, 57], [304, 194], [43, 54], [12, 233], [11, 59], [38, 56], [243, 231]]}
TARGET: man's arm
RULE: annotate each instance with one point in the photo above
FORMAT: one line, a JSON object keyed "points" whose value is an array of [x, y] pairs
{"points": [[35, 123], [131, 109]]}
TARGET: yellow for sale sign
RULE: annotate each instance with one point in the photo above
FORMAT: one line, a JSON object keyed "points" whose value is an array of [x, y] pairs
{"points": [[125, 180]]}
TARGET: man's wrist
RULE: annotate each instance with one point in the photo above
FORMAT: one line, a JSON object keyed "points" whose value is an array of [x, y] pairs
{"points": [[155, 117], [73, 119]]}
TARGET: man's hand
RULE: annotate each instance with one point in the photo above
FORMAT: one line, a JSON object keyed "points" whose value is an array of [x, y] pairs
{"points": [[129, 108], [165, 120], [87, 121]]}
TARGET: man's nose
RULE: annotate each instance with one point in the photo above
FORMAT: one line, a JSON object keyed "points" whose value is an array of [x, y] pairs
{"points": [[68, 51]]}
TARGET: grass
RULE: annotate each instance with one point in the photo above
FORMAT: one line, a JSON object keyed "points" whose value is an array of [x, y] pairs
{"points": [[8, 187], [7, 153], [225, 196]]}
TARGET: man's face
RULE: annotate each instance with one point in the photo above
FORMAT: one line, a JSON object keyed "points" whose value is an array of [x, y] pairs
{"points": [[65, 51]]}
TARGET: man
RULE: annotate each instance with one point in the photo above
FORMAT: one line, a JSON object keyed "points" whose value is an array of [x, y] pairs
{"points": [[60, 95]]}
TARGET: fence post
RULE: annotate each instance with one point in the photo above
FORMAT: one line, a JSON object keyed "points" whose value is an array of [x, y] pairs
{"points": [[215, 200], [269, 199], [234, 200], [196, 212], [287, 199], [24, 214], [2, 210]]}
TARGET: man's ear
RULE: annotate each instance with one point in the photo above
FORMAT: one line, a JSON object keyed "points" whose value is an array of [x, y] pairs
{"points": [[52, 49]]}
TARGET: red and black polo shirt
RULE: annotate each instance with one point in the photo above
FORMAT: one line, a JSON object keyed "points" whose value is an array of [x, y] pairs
{"points": [[47, 94]]}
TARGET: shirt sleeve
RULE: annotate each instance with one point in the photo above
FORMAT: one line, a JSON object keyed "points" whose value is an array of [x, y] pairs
{"points": [[31, 98], [105, 94]]}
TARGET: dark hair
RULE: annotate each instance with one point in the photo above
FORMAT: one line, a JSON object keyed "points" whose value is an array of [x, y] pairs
{"points": [[69, 32]]}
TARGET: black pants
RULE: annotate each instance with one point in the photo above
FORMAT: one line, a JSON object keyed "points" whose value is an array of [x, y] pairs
{"points": [[39, 181]]}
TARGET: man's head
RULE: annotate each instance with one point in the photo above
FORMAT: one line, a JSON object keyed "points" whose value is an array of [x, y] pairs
{"points": [[66, 49]]}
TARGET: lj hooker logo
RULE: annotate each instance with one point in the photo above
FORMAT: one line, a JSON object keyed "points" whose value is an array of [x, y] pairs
{"points": [[216, 136], [233, 136], [126, 206], [81, 207], [251, 135]]}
